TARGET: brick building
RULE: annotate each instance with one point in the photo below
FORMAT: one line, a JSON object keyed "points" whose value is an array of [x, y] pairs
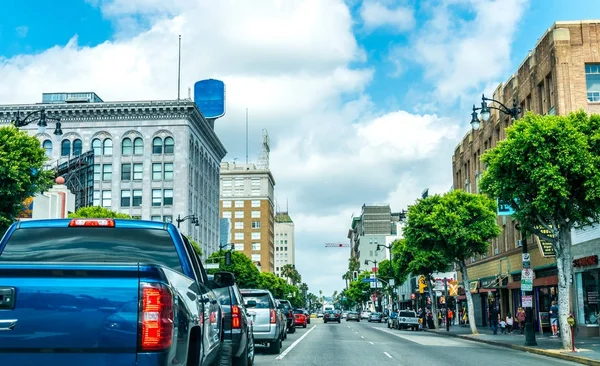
{"points": [[561, 74]]}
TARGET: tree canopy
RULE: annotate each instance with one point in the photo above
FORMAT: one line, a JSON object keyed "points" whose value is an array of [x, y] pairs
{"points": [[97, 212], [22, 172], [246, 273]]}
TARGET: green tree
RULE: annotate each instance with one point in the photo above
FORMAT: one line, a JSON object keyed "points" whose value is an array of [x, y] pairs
{"points": [[289, 271], [359, 291], [246, 273], [97, 212], [549, 169], [196, 246], [21, 172], [456, 226]]}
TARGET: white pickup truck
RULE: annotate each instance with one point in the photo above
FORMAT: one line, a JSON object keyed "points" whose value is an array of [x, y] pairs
{"points": [[407, 319]]}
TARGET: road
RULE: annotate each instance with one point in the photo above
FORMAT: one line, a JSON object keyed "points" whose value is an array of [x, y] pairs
{"points": [[359, 344]]}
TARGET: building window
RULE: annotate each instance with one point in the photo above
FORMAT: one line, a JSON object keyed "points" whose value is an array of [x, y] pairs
{"points": [[96, 198], [239, 204], [138, 146], [239, 186], [592, 82], [239, 236], [168, 197], [126, 147], [239, 247], [255, 187], [169, 145], [255, 246], [156, 171], [77, 147], [138, 171], [107, 198], [126, 172], [256, 236], [97, 172], [107, 172], [227, 204], [97, 147], [255, 214], [256, 224], [156, 218], [65, 148], [47, 145], [226, 214], [137, 197], [156, 197], [239, 225], [255, 203], [125, 198], [256, 257], [168, 171], [239, 214], [107, 147], [157, 145]]}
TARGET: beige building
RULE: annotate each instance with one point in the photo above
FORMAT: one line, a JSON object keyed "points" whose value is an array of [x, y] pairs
{"points": [[561, 74], [285, 244], [247, 198]]}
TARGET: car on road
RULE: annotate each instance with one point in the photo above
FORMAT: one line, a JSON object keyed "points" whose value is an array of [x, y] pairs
{"points": [[237, 325], [288, 310], [365, 314], [375, 317], [332, 316], [300, 318], [353, 315], [268, 327], [107, 291]]}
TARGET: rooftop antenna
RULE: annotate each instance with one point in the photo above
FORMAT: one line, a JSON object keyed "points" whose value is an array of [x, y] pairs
{"points": [[179, 71], [266, 149], [246, 135], [287, 205], [189, 93]]}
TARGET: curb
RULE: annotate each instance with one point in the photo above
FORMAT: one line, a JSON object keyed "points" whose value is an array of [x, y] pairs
{"points": [[543, 352]]}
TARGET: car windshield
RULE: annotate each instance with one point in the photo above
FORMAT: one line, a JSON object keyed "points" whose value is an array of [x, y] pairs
{"points": [[262, 300]]}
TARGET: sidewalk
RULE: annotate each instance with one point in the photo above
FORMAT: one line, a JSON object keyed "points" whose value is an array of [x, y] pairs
{"points": [[588, 349]]}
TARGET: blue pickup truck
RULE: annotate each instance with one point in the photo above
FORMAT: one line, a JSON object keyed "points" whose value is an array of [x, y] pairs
{"points": [[107, 292]]}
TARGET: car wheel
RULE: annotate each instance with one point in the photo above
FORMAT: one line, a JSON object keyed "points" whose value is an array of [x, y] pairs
{"points": [[225, 354], [275, 347], [304, 326], [243, 359], [292, 329]]}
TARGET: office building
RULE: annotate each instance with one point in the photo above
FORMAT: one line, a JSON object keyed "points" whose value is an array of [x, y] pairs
{"points": [[285, 245]]}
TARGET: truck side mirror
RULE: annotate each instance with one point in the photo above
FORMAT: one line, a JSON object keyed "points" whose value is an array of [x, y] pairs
{"points": [[224, 279]]}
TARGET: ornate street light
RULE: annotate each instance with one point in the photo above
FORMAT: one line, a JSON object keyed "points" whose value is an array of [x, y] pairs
{"points": [[194, 219], [485, 113], [41, 121]]}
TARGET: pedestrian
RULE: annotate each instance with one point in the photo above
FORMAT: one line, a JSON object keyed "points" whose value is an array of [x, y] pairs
{"points": [[503, 327], [509, 323], [450, 316], [521, 318], [554, 319], [494, 318]]}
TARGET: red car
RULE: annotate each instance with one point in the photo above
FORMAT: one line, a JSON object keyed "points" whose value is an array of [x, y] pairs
{"points": [[300, 318]]}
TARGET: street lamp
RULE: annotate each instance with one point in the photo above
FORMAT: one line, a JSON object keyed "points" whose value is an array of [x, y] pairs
{"points": [[376, 297], [485, 113], [41, 121], [194, 219]]}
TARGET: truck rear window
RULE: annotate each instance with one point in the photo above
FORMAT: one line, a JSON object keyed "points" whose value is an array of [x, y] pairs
{"points": [[92, 245]]}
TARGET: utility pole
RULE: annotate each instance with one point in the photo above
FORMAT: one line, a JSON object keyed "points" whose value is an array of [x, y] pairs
{"points": [[529, 331]]}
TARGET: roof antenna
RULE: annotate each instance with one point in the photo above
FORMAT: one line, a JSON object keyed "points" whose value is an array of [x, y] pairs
{"points": [[179, 72]]}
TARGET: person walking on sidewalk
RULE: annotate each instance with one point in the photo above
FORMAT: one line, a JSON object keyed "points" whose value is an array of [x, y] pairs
{"points": [[554, 319], [521, 319], [509, 323], [494, 318]]}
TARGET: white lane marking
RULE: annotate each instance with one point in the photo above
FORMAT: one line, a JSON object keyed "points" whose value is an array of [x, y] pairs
{"points": [[371, 342], [348, 326], [362, 337], [387, 354], [281, 356]]}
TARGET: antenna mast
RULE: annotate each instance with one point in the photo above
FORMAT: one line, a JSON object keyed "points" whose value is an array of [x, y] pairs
{"points": [[266, 149], [179, 72], [246, 135]]}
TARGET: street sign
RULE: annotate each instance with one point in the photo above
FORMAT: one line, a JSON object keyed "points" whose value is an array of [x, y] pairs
{"points": [[526, 260], [392, 282], [365, 280], [527, 301], [527, 279], [376, 284], [211, 266], [504, 208]]}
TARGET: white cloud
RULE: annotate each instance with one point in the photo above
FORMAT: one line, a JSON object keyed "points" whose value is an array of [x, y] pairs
{"points": [[288, 62], [376, 14]]}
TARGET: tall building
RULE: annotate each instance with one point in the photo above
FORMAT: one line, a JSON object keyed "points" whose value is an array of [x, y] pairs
{"points": [[135, 145], [247, 198], [285, 244], [560, 75]]}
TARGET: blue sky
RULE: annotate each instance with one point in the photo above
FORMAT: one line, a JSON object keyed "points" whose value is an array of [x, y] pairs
{"points": [[364, 100]]}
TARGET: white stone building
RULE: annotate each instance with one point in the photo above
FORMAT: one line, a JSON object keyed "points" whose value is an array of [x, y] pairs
{"points": [[153, 160], [285, 243]]}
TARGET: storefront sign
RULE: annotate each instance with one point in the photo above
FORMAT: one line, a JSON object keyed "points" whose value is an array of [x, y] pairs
{"points": [[591, 260], [527, 279], [473, 286], [527, 301], [592, 297], [546, 248]]}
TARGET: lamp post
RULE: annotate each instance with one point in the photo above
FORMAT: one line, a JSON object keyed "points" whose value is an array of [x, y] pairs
{"points": [[194, 219], [41, 121], [376, 296]]}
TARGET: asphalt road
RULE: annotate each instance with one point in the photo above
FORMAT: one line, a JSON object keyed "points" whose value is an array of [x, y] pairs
{"points": [[360, 344]]}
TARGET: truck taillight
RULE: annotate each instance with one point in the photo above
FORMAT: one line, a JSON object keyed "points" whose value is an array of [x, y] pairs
{"points": [[273, 317], [236, 321], [156, 317]]}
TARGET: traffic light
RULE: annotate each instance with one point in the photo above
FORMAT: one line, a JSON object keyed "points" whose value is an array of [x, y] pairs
{"points": [[422, 284], [355, 275], [228, 258]]}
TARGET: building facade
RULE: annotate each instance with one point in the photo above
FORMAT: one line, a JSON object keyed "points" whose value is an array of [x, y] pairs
{"points": [[247, 198], [153, 160], [285, 244], [561, 74]]}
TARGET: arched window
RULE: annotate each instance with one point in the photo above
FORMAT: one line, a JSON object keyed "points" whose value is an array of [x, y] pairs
{"points": [[47, 145], [97, 147], [107, 147], [138, 146], [157, 145], [77, 147], [65, 148], [126, 147], [169, 145]]}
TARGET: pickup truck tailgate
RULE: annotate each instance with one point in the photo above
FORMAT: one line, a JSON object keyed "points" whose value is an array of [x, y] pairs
{"points": [[55, 313]]}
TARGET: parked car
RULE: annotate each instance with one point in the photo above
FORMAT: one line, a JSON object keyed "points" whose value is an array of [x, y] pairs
{"points": [[237, 323], [300, 318], [332, 316], [132, 291], [268, 328], [353, 315], [288, 310], [375, 317], [365, 314], [308, 316]]}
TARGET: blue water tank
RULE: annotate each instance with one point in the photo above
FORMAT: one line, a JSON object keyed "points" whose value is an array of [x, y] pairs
{"points": [[209, 96]]}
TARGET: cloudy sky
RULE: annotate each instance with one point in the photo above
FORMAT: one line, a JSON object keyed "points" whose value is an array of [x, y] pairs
{"points": [[364, 101]]}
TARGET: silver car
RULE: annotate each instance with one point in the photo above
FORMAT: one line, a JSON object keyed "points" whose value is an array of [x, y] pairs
{"points": [[268, 327]]}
